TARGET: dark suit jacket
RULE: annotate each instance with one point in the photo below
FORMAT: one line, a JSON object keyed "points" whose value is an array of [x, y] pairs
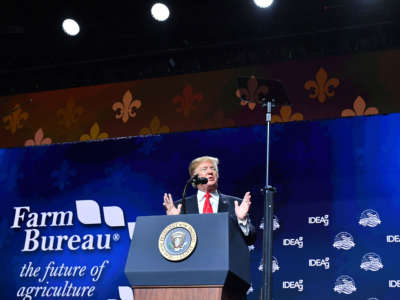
{"points": [[226, 204]]}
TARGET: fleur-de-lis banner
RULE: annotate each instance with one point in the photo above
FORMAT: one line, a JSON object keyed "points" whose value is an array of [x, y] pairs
{"points": [[327, 88]]}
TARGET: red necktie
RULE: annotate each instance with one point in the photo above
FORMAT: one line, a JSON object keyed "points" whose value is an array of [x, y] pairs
{"points": [[207, 208]]}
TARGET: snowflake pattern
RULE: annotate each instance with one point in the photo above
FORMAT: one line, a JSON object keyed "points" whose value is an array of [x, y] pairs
{"points": [[118, 175], [63, 175], [10, 177]]}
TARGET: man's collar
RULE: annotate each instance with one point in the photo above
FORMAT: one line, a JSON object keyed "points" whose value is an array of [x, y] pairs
{"points": [[214, 194]]}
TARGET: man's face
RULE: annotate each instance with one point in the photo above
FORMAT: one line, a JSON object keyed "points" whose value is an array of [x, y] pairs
{"points": [[207, 169]]}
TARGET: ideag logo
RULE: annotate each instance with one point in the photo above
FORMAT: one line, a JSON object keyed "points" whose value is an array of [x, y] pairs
{"points": [[369, 218], [294, 242], [345, 285], [87, 212], [393, 238], [319, 220], [344, 240], [371, 262], [322, 262], [394, 283], [293, 285]]}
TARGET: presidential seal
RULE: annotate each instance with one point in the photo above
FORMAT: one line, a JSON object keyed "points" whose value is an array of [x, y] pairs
{"points": [[177, 241]]}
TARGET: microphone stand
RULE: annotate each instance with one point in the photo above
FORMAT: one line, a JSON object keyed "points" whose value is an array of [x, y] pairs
{"points": [[184, 195], [270, 93], [195, 180], [266, 289]]}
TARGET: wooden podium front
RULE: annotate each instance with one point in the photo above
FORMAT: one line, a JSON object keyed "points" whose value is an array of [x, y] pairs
{"points": [[185, 292], [218, 268]]}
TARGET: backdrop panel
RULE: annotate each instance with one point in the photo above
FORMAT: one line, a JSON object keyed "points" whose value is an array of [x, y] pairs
{"points": [[68, 210]]}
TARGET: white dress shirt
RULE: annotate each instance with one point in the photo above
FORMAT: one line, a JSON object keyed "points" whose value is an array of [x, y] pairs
{"points": [[214, 200]]}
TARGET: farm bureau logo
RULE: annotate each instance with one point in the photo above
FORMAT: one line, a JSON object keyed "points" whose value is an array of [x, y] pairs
{"points": [[369, 218], [316, 262], [345, 285], [87, 212], [371, 262], [275, 223], [344, 240], [275, 265], [293, 285], [319, 220]]}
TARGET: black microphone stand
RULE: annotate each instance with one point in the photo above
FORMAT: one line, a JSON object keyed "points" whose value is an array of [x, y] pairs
{"points": [[184, 195], [269, 91], [195, 180], [266, 289]]}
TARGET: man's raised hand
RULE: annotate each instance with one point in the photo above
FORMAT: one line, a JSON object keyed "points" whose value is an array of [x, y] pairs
{"points": [[242, 210], [170, 206]]}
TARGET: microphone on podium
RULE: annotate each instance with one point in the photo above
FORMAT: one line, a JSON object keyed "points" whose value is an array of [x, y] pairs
{"points": [[199, 180]]}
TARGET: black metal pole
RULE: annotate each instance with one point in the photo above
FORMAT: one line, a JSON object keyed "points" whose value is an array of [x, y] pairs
{"points": [[266, 289], [184, 196]]}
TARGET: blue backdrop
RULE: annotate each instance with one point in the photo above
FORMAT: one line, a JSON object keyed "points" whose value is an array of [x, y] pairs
{"points": [[337, 226]]}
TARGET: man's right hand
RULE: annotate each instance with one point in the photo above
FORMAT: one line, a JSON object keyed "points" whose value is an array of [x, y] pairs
{"points": [[170, 206]]}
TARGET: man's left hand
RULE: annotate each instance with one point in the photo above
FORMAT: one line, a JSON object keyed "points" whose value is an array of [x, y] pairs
{"points": [[242, 210]]}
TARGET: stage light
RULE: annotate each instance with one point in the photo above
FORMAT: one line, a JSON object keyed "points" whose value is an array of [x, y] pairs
{"points": [[160, 12], [70, 27], [263, 3]]}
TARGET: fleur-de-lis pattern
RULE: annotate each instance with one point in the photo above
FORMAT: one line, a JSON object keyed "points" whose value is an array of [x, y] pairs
{"points": [[125, 109], [322, 91], [39, 139], [252, 93], [69, 114], [322, 87], [286, 115], [359, 106], [94, 134], [187, 100], [14, 119], [155, 128]]}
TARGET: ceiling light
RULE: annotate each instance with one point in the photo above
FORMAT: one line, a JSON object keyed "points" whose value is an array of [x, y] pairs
{"points": [[70, 27], [160, 12], [263, 3]]}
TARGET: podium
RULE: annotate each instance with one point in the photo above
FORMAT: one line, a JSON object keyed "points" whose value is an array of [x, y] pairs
{"points": [[218, 268]]}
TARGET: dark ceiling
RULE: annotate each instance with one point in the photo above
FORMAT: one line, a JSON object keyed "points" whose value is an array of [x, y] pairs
{"points": [[121, 34]]}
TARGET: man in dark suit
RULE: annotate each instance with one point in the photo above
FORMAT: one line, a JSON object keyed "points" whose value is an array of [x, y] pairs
{"points": [[209, 200]]}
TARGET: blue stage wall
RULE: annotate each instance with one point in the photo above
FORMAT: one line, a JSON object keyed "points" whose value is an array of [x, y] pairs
{"points": [[337, 226]]}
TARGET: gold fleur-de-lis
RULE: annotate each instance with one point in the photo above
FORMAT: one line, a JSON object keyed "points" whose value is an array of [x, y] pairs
{"points": [[125, 109], [187, 100], [359, 106], [286, 115], [322, 87], [94, 134], [155, 128], [38, 139], [252, 93], [14, 119], [69, 114]]}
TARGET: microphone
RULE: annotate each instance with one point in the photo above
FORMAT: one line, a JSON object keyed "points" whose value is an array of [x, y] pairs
{"points": [[199, 180], [195, 180]]}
